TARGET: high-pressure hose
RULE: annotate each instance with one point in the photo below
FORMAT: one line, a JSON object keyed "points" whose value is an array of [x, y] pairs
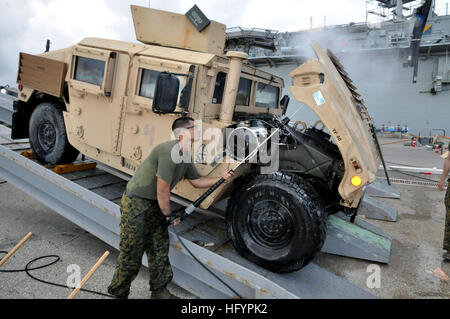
{"points": [[28, 268], [203, 265]]}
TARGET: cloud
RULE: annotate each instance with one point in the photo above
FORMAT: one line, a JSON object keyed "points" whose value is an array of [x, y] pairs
{"points": [[12, 17], [26, 25], [68, 22]]}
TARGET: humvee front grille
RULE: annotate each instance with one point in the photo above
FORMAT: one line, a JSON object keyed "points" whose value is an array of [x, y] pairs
{"points": [[357, 100]]}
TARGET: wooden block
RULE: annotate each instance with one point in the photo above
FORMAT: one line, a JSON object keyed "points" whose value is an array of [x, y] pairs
{"points": [[67, 168]]}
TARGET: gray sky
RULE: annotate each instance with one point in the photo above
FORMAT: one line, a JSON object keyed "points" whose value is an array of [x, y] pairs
{"points": [[25, 25]]}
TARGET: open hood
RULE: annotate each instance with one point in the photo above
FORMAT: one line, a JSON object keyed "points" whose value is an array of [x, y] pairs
{"points": [[326, 88]]}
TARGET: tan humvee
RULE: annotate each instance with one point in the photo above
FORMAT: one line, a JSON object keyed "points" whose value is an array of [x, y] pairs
{"points": [[106, 92]]}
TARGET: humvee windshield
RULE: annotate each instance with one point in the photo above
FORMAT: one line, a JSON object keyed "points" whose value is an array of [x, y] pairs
{"points": [[267, 96], [243, 94]]}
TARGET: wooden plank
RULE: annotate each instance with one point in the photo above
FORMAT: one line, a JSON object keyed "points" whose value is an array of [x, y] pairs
{"points": [[43, 74], [68, 168], [12, 251], [89, 274]]}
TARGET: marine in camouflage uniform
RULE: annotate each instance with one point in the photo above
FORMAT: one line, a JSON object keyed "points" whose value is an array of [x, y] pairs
{"points": [[143, 225], [143, 228]]}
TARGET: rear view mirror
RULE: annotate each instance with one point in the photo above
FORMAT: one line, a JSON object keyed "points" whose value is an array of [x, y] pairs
{"points": [[166, 93], [284, 103]]}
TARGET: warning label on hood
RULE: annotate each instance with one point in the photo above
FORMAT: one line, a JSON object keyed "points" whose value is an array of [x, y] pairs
{"points": [[318, 97]]}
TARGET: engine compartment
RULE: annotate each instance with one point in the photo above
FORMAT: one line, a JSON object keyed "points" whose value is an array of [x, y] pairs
{"points": [[309, 153]]}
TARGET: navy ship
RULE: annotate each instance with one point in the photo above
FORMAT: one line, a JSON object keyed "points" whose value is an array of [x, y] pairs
{"points": [[399, 63]]}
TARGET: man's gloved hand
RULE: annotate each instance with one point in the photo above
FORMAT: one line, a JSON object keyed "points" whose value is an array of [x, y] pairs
{"points": [[176, 217]]}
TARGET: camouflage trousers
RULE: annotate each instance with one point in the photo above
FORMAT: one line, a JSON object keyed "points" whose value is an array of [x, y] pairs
{"points": [[143, 228], [447, 220]]}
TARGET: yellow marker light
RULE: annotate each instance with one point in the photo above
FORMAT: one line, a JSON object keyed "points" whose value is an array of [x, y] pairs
{"points": [[356, 181]]}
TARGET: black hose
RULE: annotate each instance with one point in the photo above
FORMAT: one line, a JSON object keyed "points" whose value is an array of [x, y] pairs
{"points": [[27, 270], [206, 268]]}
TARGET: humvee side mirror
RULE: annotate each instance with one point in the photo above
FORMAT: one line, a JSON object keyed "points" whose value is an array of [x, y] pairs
{"points": [[284, 104], [166, 93]]}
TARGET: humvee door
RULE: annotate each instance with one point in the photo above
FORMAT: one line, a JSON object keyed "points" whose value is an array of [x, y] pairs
{"points": [[325, 87], [96, 89]]}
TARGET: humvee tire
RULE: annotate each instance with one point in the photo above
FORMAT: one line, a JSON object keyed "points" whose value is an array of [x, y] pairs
{"points": [[277, 221], [48, 137]]}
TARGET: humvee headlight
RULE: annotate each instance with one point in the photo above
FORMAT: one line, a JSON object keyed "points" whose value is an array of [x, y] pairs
{"points": [[356, 181]]}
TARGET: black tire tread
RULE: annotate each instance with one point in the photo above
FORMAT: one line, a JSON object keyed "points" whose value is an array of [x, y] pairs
{"points": [[310, 199], [66, 153]]}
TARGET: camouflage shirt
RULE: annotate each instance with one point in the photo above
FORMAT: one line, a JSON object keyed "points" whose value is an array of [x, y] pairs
{"points": [[164, 163]]}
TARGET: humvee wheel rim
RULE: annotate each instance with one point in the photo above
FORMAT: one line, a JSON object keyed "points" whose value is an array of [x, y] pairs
{"points": [[47, 135], [270, 224]]}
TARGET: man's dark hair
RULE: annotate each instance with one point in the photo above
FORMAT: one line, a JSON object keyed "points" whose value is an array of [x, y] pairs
{"points": [[181, 122]]}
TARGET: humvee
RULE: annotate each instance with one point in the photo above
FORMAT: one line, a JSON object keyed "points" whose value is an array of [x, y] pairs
{"points": [[114, 101]]}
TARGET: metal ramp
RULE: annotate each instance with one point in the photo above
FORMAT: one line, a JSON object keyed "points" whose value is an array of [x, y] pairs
{"points": [[381, 188], [357, 241], [371, 208]]}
